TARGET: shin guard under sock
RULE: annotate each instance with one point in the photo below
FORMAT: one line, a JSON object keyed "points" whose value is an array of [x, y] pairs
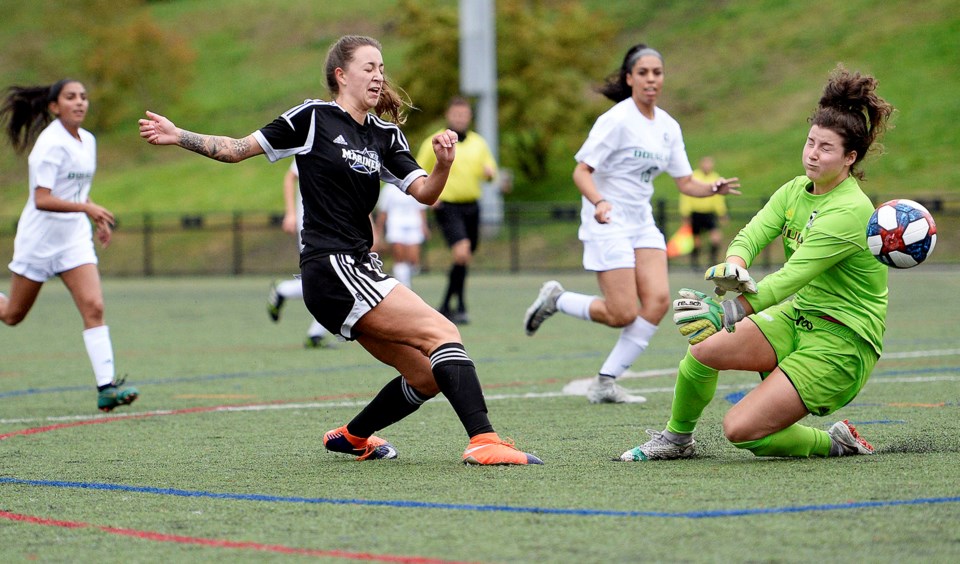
{"points": [[796, 440], [395, 401], [696, 384], [457, 379]]}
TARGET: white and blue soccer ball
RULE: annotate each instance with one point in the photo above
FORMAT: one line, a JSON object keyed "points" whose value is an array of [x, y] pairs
{"points": [[901, 233]]}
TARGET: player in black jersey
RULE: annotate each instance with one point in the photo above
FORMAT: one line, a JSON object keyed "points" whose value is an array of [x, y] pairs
{"points": [[344, 150]]}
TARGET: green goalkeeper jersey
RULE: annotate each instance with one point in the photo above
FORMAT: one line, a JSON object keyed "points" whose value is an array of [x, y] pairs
{"points": [[829, 268]]}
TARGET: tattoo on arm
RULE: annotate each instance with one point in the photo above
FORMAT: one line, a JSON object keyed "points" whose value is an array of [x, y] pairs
{"points": [[218, 148], [241, 146]]}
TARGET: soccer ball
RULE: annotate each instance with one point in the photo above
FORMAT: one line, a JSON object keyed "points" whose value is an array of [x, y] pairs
{"points": [[901, 233]]}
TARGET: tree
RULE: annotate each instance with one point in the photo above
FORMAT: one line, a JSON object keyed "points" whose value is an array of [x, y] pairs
{"points": [[135, 65], [549, 55]]}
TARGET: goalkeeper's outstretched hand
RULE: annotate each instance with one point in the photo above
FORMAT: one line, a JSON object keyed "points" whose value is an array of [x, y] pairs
{"points": [[730, 277], [699, 316]]}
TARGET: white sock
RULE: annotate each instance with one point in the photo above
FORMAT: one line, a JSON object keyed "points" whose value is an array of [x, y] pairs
{"points": [[316, 330], [403, 271], [291, 289], [633, 340], [100, 351], [576, 305]]}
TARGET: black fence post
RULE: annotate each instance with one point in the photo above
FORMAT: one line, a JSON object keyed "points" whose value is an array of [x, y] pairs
{"points": [[513, 230], [147, 244], [237, 243], [661, 218]]}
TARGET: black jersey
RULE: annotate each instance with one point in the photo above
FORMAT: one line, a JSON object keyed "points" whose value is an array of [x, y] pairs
{"points": [[341, 166]]}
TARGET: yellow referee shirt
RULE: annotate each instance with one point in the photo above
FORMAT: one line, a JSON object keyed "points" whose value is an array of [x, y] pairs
{"points": [[467, 174]]}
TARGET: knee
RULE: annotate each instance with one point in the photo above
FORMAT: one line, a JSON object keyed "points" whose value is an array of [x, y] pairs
{"points": [[620, 319], [92, 311], [8, 315], [653, 308], [12, 318], [439, 331], [737, 429], [707, 354]]}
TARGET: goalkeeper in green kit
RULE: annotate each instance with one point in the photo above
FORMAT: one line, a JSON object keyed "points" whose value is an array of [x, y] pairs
{"points": [[814, 351]]}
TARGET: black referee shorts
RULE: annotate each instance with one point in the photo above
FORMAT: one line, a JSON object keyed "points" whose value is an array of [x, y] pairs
{"points": [[459, 222], [703, 222]]}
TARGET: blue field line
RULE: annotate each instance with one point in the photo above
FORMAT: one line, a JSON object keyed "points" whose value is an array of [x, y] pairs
{"points": [[267, 373], [487, 508]]}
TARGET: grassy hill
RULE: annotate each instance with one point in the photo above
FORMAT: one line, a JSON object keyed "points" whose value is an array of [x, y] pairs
{"points": [[742, 77]]}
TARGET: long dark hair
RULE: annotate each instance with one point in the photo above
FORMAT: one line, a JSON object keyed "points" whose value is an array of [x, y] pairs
{"points": [[340, 54], [615, 86], [851, 108], [26, 111]]}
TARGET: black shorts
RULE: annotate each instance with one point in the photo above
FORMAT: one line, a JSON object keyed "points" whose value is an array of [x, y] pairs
{"points": [[340, 289], [703, 222], [459, 222]]}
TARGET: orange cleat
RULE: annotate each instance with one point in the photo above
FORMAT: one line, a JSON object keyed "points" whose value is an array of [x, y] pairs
{"points": [[490, 449], [371, 448]]}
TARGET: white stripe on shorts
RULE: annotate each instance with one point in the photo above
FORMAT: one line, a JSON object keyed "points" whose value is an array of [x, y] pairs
{"points": [[367, 289], [363, 287]]}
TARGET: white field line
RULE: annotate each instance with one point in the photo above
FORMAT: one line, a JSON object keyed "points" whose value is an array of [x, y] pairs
{"points": [[920, 354], [574, 388]]}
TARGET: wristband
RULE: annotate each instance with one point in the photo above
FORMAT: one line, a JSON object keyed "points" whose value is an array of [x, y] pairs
{"points": [[598, 202]]}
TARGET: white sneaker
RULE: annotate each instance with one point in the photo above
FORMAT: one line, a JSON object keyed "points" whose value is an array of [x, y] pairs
{"points": [[659, 448], [543, 307], [606, 390], [845, 435]]}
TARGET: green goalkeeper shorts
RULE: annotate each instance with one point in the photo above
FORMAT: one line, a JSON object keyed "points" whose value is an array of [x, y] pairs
{"points": [[828, 363]]}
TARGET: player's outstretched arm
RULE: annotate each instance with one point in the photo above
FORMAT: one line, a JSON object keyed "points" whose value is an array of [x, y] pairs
{"points": [[158, 130]]}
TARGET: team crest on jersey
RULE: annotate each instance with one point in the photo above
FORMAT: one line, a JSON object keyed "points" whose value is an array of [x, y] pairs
{"points": [[813, 216], [364, 162]]}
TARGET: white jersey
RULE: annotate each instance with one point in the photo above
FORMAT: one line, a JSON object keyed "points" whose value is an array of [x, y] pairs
{"points": [[627, 151], [66, 166], [404, 215]]}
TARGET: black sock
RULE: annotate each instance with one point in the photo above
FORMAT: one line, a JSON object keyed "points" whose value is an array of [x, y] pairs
{"points": [[457, 379], [395, 401], [105, 386], [714, 250], [458, 277], [450, 291]]}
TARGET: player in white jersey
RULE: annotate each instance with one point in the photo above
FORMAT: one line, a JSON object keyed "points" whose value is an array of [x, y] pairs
{"points": [[292, 288], [627, 148], [402, 224], [54, 237]]}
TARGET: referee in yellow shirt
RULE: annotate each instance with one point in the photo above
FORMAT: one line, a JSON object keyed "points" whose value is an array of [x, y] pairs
{"points": [[704, 215], [458, 209]]}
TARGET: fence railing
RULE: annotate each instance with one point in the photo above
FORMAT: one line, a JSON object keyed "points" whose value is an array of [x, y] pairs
{"points": [[532, 237]]}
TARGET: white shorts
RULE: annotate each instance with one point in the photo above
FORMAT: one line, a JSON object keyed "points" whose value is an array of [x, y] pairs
{"points": [[42, 269], [611, 254], [404, 235]]}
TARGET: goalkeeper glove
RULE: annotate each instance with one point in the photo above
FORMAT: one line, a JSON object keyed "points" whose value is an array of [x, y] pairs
{"points": [[699, 316], [730, 277]]}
